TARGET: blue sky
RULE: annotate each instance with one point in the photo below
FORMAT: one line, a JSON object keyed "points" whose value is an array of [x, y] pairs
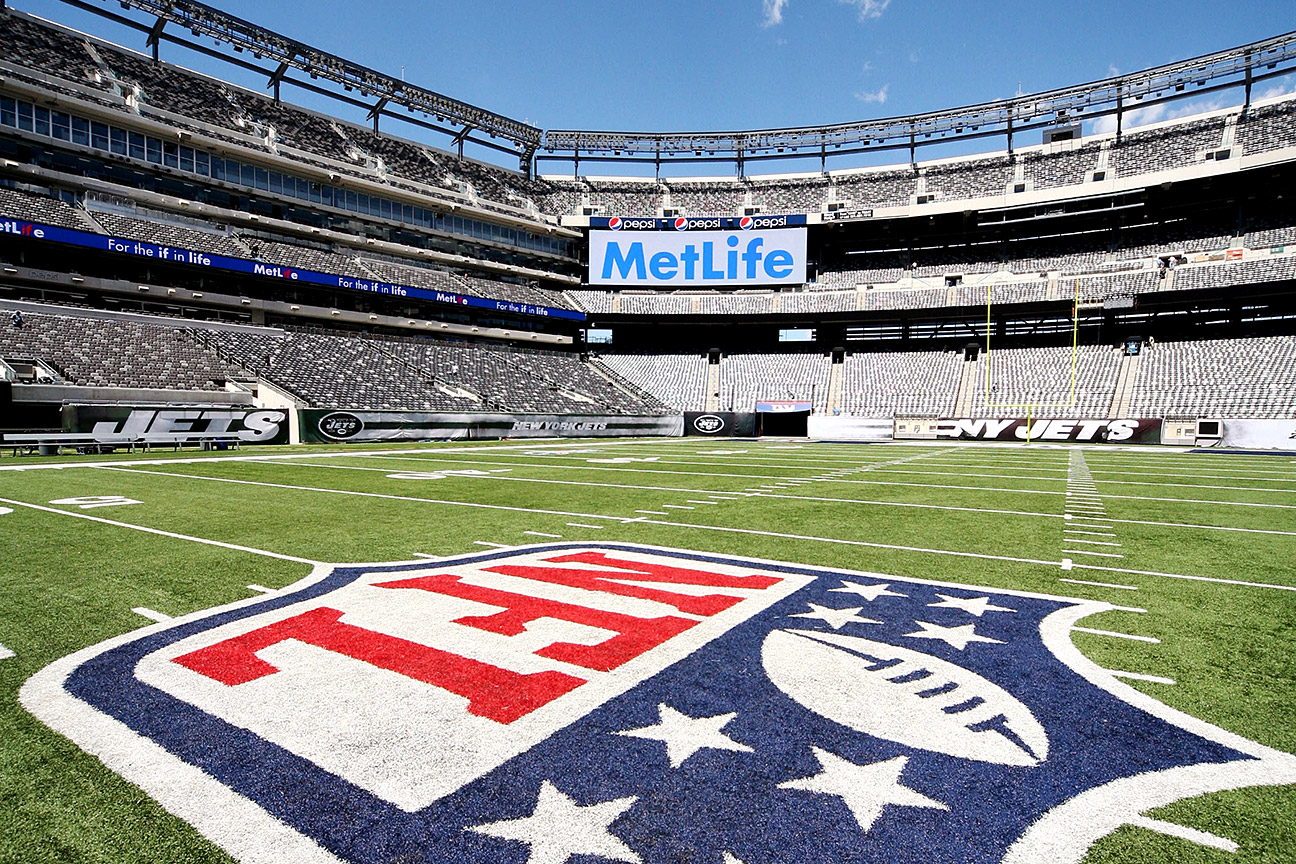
{"points": [[727, 64]]}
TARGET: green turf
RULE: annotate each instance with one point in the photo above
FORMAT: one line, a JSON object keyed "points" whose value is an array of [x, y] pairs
{"points": [[67, 582]]}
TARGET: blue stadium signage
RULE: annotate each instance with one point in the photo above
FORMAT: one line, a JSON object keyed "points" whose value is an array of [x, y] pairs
{"points": [[616, 702], [175, 255], [713, 258], [696, 223]]}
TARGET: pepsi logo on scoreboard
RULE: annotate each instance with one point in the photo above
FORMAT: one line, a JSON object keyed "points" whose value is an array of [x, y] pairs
{"points": [[697, 223], [617, 702]]}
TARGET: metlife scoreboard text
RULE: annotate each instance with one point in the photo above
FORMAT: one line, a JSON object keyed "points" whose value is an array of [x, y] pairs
{"points": [[673, 259]]}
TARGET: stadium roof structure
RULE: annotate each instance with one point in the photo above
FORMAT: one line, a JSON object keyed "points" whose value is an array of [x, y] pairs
{"points": [[203, 20], [1243, 66]]}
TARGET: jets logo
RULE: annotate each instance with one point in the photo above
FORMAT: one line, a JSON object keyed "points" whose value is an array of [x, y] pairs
{"points": [[613, 702]]}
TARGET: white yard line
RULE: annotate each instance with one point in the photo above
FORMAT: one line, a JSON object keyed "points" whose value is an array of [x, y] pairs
{"points": [[1093, 542], [1093, 554], [491, 545], [150, 614], [196, 460], [260, 589], [1216, 579], [615, 519], [1089, 533], [1138, 676], [1192, 835], [159, 531], [543, 534], [1116, 635], [351, 492], [756, 492], [852, 482]]}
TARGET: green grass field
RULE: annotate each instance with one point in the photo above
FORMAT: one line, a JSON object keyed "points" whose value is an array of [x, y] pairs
{"points": [[1205, 544]]}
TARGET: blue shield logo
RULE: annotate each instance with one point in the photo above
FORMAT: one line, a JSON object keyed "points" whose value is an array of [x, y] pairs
{"points": [[617, 702]]}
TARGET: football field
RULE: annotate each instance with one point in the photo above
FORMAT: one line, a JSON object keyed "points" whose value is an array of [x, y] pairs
{"points": [[1184, 564]]}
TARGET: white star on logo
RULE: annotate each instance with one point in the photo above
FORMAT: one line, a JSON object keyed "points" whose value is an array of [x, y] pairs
{"points": [[959, 636], [685, 735], [868, 592], [559, 828], [865, 789], [836, 618], [977, 606]]}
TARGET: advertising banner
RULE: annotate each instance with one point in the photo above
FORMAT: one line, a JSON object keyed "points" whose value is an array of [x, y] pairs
{"points": [[323, 425], [782, 406], [826, 427], [716, 259], [720, 424], [1258, 434], [198, 258], [1132, 431], [252, 426], [696, 223]]}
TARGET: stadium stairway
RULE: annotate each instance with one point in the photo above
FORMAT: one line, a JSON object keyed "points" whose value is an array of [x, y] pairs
{"points": [[1125, 379], [713, 387], [965, 403], [836, 376]]}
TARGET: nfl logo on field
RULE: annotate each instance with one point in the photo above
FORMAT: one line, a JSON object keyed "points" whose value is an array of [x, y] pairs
{"points": [[624, 703]]}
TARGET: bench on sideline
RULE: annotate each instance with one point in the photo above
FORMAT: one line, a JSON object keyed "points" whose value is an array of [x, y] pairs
{"points": [[53, 443]]}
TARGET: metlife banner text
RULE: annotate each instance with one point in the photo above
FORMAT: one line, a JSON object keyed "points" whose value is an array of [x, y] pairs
{"points": [[677, 259]]}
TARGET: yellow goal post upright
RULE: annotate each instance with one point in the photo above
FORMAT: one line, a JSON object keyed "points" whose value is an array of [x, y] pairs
{"points": [[1031, 406]]}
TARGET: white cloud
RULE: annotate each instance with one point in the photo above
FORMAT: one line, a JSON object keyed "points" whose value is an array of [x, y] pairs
{"points": [[773, 12], [867, 9], [1112, 71], [873, 97], [1281, 89]]}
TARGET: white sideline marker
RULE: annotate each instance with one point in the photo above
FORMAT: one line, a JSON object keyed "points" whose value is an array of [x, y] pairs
{"points": [[1116, 635], [583, 525], [677, 507], [1100, 584], [425, 555], [543, 534], [5, 653], [1095, 554], [1201, 838], [654, 512], [694, 501], [1092, 542], [1090, 533], [1139, 676], [151, 614], [261, 589], [492, 545]]}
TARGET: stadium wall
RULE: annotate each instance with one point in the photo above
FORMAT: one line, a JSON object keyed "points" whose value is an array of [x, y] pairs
{"points": [[325, 426]]}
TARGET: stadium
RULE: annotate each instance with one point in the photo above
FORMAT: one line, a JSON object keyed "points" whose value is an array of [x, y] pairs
{"points": [[388, 479]]}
